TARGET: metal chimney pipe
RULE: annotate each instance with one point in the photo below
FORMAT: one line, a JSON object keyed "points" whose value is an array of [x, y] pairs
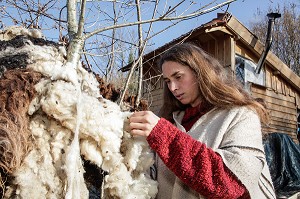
{"points": [[272, 16]]}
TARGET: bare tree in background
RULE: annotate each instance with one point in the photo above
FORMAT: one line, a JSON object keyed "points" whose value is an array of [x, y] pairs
{"points": [[286, 34], [104, 33]]}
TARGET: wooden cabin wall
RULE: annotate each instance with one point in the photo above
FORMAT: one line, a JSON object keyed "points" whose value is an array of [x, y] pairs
{"points": [[153, 89], [219, 46], [280, 101], [155, 99]]}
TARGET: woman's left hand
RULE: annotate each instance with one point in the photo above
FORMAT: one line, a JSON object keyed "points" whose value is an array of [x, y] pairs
{"points": [[141, 123]]}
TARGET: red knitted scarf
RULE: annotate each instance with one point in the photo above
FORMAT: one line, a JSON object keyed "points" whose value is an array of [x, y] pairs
{"points": [[192, 114]]}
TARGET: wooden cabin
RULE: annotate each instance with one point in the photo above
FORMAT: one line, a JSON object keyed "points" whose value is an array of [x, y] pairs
{"points": [[239, 50]]}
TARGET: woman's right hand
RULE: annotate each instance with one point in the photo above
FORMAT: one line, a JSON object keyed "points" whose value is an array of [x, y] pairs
{"points": [[141, 123]]}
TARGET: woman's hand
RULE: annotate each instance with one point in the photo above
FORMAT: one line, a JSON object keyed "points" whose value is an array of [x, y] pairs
{"points": [[142, 122]]}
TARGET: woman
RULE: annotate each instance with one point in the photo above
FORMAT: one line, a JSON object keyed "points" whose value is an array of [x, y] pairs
{"points": [[215, 148]]}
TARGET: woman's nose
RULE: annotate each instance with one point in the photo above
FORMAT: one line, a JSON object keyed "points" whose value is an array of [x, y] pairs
{"points": [[172, 86]]}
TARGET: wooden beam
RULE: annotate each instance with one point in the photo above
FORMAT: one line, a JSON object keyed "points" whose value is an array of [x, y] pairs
{"points": [[218, 28]]}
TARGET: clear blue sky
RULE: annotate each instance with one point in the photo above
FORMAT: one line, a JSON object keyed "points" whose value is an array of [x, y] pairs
{"points": [[243, 10]]}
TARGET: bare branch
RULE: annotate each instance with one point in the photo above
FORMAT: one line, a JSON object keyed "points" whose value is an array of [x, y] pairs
{"points": [[112, 57], [141, 48], [81, 19], [198, 13], [31, 11]]}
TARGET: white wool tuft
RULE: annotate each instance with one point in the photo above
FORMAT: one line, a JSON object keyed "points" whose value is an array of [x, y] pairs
{"points": [[91, 152], [13, 31], [138, 155]]}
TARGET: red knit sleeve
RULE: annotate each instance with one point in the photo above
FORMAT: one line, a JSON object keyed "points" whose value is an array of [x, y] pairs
{"points": [[196, 165]]}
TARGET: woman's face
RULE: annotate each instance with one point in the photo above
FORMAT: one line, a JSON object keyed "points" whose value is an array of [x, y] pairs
{"points": [[182, 82]]}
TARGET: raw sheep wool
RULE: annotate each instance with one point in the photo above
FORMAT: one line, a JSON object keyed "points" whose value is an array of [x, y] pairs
{"points": [[53, 120]]}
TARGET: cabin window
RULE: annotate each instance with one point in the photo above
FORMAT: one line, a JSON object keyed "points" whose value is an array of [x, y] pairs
{"points": [[245, 72], [240, 69]]}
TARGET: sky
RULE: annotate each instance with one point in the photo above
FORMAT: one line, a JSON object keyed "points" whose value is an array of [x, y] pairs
{"points": [[243, 10]]}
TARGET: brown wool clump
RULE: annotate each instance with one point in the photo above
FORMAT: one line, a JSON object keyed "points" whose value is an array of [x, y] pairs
{"points": [[16, 92]]}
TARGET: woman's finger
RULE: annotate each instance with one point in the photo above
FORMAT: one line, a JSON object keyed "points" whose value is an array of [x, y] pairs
{"points": [[139, 132], [137, 125]]}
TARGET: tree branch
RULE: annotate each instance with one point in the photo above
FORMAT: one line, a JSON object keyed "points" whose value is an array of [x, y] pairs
{"points": [[194, 14]]}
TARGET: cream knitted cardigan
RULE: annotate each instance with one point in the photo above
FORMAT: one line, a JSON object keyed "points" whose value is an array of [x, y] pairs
{"points": [[235, 135]]}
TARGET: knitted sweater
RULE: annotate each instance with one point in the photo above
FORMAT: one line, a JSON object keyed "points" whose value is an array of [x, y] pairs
{"points": [[232, 135]]}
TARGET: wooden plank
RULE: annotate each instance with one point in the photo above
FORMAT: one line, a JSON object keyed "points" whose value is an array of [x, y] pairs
{"points": [[220, 50], [289, 126], [293, 93], [271, 100], [298, 100], [152, 99], [284, 89], [244, 34], [232, 54], [155, 103], [157, 97], [238, 49], [279, 130], [212, 48], [227, 50], [205, 46], [268, 79], [288, 90], [276, 119], [284, 116], [273, 82], [272, 94], [285, 109], [279, 85]]}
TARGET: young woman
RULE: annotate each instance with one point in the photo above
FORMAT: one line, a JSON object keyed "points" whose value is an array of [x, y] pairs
{"points": [[208, 139]]}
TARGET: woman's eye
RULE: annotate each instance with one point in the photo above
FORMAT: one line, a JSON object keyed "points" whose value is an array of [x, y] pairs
{"points": [[178, 77]]}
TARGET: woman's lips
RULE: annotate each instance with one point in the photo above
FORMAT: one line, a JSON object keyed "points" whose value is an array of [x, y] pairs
{"points": [[179, 97]]}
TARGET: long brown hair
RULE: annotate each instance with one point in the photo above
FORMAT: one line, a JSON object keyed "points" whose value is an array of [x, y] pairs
{"points": [[216, 87]]}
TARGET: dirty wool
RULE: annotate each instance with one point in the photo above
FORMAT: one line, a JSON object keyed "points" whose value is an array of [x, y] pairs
{"points": [[53, 118]]}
